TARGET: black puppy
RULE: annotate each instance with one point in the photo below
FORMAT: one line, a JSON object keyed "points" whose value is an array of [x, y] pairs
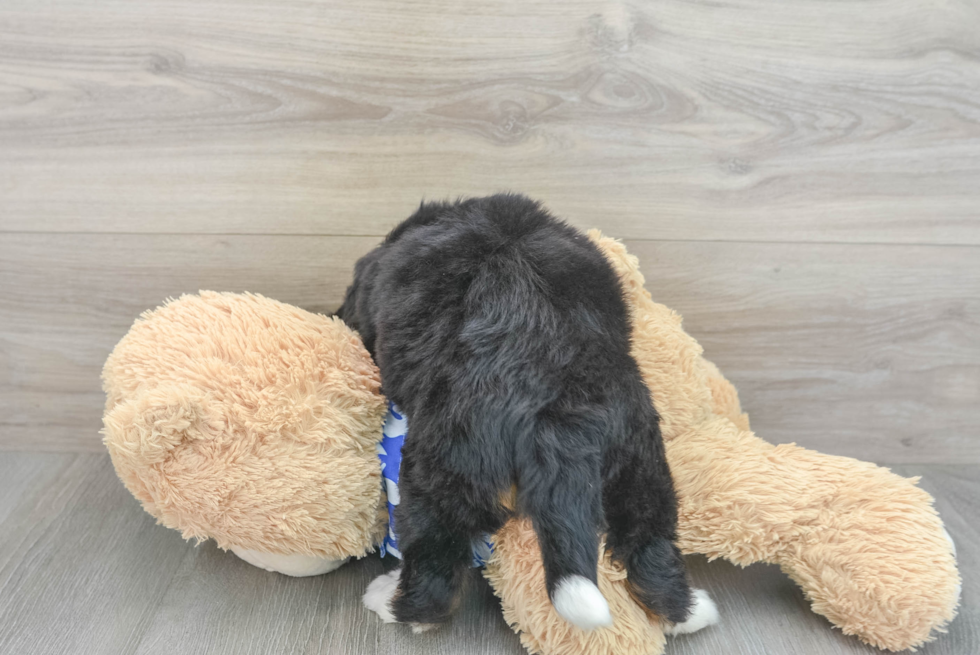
{"points": [[503, 335]]}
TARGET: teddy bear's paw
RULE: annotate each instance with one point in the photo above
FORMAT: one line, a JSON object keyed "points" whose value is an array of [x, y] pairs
{"points": [[380, 593], [703, 613]]}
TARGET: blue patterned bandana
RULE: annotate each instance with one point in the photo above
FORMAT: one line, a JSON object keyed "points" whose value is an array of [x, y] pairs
{"points": [[390, 453]]}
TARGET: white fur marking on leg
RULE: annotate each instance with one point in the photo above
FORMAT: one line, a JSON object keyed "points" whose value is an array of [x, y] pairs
{"points": [[703, 614], [580, 602], [379, 593]]}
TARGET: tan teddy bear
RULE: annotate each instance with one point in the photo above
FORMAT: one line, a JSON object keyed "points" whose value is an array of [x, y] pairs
{"points": [[238, 418], [247, 421]]}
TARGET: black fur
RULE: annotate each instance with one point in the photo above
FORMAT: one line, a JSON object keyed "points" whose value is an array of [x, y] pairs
{"points": [[503, 335]]}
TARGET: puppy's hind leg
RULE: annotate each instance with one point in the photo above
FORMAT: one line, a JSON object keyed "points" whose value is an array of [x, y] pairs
{"points": [[435, 559], [641, 512]]}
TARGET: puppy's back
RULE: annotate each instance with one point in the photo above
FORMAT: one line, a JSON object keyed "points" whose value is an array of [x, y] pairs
{"points": [[503, 334], [498, 286]]}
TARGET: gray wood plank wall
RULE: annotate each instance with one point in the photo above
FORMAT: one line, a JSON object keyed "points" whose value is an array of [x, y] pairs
{"points": [[801, 180]]}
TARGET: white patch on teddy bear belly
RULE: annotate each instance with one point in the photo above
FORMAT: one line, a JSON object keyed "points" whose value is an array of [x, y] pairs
{"points": [[296, 565]]}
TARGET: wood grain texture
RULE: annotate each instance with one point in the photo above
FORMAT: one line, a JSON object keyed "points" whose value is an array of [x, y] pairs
{"points": [[867, 351], [744, 120], [84, 570], [801, 180], [66, 300]]}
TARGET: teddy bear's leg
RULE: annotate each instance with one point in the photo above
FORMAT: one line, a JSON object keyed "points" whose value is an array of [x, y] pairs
{"points": [[865, 545]]}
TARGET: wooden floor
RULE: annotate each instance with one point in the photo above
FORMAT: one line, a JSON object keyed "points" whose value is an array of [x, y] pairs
{"points": [[800, 179], [83, 570]]}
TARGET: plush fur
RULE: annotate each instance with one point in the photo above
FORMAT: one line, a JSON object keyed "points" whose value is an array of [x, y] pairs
{"points": [[503, 335], [300, 394], [252, 422], [865, 545]]}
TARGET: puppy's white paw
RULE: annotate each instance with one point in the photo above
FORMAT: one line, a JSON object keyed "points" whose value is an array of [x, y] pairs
{"points": [[703, 614], [419, 628], [379, 594]]}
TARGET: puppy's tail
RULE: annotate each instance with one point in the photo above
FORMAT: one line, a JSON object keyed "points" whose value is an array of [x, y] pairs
{"points": [[579, 601], [562, 494]]}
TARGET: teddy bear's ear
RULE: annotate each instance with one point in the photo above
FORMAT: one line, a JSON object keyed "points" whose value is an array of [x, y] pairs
{"points": [[143, 432]]}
